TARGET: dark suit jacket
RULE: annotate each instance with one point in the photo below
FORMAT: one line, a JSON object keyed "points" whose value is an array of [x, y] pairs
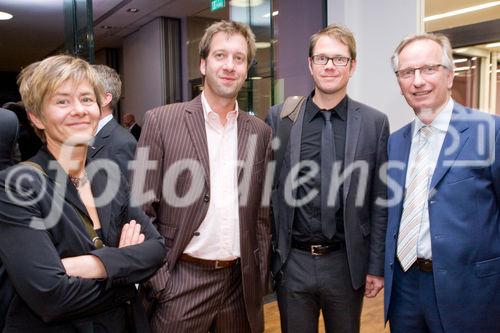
{"points": [[45, 298], [136, 131], [364, 223], [464, 216], [8, 135], [115, 143], [176, 132]]}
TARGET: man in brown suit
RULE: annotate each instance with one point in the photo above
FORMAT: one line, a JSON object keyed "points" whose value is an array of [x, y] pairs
{"points": [[200, 176]]}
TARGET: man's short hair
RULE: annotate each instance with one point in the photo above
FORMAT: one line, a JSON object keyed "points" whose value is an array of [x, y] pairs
{"points": [[442, 40], [338, 32], [230, 28], [42, 78], [111, 82]]}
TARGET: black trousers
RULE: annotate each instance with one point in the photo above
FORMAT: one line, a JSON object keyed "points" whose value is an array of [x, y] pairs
{"points": [[311, 284]]}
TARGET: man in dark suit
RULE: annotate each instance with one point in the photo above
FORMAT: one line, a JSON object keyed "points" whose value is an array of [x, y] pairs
{"points": [[442, 267], [8, 135], [133, 127], [201, 167], [112, 141], [328, 230]]}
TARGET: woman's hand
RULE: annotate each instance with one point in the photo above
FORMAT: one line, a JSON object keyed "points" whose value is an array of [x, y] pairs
{"points": [[131, 234], [86, 266]]}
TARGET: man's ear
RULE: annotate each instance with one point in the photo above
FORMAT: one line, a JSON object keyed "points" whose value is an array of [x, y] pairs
{"points": [[353, 67], [203, 67], [107, 99], [309, 62], [36, 121]]}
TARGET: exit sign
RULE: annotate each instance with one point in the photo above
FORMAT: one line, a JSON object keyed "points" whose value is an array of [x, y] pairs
{"points": [[217, 4]]}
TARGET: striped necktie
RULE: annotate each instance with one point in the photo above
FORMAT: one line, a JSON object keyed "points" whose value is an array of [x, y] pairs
{"points": [[417, 194]]}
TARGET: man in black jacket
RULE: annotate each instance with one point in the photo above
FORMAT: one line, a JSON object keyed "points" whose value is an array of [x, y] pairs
{"points": [[112, 141], [8, 135], [328, 228]]}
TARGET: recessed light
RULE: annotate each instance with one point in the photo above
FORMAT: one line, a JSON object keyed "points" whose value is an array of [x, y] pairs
{"points": [[246, 3], [105, 27], [262, 45], [5, 16], [133, 10], [462, 11], [493, 44]]}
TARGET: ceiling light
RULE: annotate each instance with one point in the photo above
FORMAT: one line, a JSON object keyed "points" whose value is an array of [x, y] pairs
{"points": [[246, 3], [274, 14], [5, 16], [465, 68], [256, 78], [497, 44], [456, 61], [262, 45], [462, 11], [133, 10], [105, 27]]}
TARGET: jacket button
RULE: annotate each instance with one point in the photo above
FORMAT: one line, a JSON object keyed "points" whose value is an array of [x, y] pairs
{"points": [[196, 233], [395, 235], [206, 198]]}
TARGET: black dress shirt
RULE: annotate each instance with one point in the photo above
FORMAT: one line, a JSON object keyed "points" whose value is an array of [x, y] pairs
{"points": [[307, 220]]}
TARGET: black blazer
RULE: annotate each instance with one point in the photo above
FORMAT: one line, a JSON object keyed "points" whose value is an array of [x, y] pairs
{"points": [[8, 136], [365, 223], [116, 143], [136, 131], [45, 299]]}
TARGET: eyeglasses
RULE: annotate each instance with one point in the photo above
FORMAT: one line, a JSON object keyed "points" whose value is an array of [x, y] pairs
{"points": [[427, 70], [321, 59]]}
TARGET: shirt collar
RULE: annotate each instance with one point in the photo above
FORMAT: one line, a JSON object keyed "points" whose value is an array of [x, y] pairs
{"points": [[103, 122], [441, 122], [210, 114], [340, 109]]}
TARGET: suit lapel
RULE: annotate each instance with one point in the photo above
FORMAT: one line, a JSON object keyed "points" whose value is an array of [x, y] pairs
{"points": [[195, 123], [458, 129], [401, 154], [353, 129], [101, 137], [296, 137], [243, 134], [99, 182]]}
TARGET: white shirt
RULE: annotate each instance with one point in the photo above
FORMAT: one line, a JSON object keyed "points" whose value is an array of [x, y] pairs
{"points": [[439, 127], [103, 123], [219, 232]]}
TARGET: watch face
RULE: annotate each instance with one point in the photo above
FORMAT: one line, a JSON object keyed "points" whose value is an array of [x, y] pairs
{"points": [[98, 243]]}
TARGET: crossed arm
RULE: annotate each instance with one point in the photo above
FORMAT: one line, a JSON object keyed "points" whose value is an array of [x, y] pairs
{"points": [[91, 267]]}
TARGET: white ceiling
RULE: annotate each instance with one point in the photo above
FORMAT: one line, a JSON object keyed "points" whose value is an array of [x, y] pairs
{"points": [[37, 28]]}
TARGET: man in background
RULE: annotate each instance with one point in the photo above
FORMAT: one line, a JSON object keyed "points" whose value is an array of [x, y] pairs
{"points": [[8, 137], [112, 141], [129, 122]]}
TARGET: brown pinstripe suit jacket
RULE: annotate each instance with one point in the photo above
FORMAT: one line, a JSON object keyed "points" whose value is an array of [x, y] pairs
{"points": [[177, 132]]}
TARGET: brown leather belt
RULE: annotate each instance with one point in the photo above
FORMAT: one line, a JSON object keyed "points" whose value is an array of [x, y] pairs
{"points": [[217, 264], [424, 265]]}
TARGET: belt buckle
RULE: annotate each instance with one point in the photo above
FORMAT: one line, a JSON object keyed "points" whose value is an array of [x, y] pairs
{"points": [[218, 264], [314, 248]]}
